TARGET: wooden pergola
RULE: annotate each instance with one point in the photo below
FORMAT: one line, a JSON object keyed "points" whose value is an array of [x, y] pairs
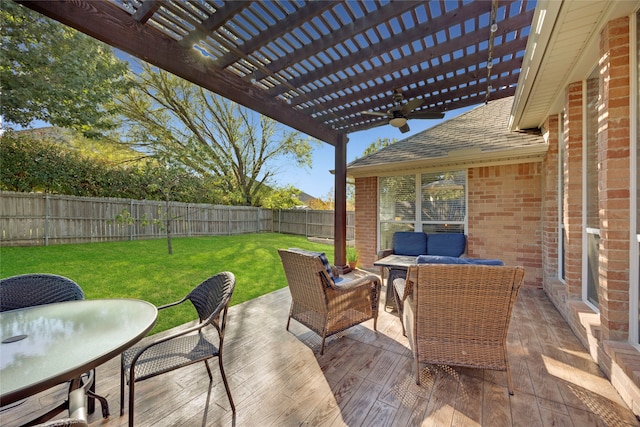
{"points": [[316, 66]]}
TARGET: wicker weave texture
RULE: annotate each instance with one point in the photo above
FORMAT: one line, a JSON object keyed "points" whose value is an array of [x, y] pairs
{"points": [[28, 290], [460, 314], [187, 346], [323, 306]]}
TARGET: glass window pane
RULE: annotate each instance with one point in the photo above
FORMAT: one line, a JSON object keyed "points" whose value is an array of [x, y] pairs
{"points": [[386, 232], [443, 196], [398, 198]]}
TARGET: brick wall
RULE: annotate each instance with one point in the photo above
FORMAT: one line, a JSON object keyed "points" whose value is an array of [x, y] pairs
{"points": [[573, 190], [505, 207], [613, 177], [550, 201], [366, 220]]}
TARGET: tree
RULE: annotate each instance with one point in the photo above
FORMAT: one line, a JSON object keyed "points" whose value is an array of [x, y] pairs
{"points": [[53, 73], [378, 145], [208, 134]]}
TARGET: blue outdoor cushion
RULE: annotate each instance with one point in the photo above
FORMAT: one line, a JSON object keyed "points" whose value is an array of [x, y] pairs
{"points": [[439, 259], [321, 255], [446, 244], [409, 243]]}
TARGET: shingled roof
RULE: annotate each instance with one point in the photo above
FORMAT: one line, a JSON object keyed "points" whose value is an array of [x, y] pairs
{"points": [[478, 137]]}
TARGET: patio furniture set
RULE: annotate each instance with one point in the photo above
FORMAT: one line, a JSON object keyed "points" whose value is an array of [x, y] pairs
{"points": [[454, 310], [51, 335]]}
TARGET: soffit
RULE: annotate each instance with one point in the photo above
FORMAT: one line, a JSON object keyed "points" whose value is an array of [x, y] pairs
{"points": [[317, 65], [563, 48]]}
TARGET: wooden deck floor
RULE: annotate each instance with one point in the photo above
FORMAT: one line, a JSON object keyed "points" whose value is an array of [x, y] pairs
{"points": [[365, 378]]}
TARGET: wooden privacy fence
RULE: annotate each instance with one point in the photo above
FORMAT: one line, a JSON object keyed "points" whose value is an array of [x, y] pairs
{"points": [[46, 219]]}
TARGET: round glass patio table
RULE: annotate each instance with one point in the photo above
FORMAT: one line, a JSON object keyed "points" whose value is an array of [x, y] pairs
{"points": [[46, 345]]}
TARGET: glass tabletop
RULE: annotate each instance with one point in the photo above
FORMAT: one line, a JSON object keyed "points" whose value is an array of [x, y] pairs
{"points": [[396, 261], [45, 345]]}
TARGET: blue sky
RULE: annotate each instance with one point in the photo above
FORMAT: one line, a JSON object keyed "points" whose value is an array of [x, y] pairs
{"points": [[318, 181]]}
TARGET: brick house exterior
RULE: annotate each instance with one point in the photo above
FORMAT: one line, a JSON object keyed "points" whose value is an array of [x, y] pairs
{"points": [[532, 211]]}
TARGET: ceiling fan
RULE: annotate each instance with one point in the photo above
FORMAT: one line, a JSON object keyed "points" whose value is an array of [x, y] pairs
{"points": [[399, 113]]}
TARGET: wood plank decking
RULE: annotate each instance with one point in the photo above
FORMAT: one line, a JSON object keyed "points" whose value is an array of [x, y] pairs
{"points": [[365, 378]]}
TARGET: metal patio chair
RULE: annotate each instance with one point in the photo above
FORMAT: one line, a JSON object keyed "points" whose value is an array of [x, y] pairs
{"points": [[185, 347]]}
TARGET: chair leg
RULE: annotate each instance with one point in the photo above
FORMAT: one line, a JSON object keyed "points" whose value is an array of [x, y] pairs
{"points": [[206, 363], [121, 389], [324, 336], [131, 396], [417, 370], [226, 384], [509, 380]]}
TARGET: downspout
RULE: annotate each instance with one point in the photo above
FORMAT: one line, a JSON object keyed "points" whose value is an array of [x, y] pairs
{"points": [[340, 210]]}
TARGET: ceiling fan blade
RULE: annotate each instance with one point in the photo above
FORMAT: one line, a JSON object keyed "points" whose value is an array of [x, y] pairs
{"points": [[425, 115], [412, 105], [404, 129], [376, 124], [375, 113]]}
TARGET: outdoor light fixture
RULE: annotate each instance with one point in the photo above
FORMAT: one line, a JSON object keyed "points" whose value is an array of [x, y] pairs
{"points": [[398, 122]]}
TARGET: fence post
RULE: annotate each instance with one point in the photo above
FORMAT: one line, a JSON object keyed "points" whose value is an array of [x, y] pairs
{"points": [[188, 221], [131, 226], [46, 219], [229, 222]]}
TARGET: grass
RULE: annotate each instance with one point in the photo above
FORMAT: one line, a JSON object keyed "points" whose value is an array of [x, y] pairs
{"points": [[142, 269]]}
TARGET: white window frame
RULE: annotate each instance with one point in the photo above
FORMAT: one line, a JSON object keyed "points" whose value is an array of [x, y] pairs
{"points": [[585, 229], [561, 192], [418, 223]]}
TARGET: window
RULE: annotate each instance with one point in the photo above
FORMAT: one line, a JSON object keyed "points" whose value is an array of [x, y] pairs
{"points": [[562, 176], [432, 202], [592, 220]]}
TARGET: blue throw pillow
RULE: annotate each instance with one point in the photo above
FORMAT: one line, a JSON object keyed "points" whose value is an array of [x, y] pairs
{"points": [[321, 255], [439, 259], [409, 243], [446, 244]]}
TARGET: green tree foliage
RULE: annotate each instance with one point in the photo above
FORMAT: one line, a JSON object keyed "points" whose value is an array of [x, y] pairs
{"points": [[29, 165], [281, 198], [209, 135], [53, 73], [378, 145]]}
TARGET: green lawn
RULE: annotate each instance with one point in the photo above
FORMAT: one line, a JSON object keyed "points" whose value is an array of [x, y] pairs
{"points": [[143, 269]]}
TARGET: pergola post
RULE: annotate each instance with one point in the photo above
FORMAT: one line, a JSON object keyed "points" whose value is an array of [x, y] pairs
{"points": [[340, 219]]}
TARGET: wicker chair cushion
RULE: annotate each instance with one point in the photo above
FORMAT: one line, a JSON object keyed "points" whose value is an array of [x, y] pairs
{"points": [[446, 244], [323, 258], [409, 243], [438, 259]]}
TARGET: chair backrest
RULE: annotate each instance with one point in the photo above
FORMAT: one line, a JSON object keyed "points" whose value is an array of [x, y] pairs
{"points": [[455, 303], [212, 295], [307, 278], [409, 243], [28, 290]]}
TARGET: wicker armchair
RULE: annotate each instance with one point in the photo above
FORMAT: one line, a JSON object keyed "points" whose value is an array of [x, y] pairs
{"points": [[322, 305], [185, 347], [460, 314]]}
